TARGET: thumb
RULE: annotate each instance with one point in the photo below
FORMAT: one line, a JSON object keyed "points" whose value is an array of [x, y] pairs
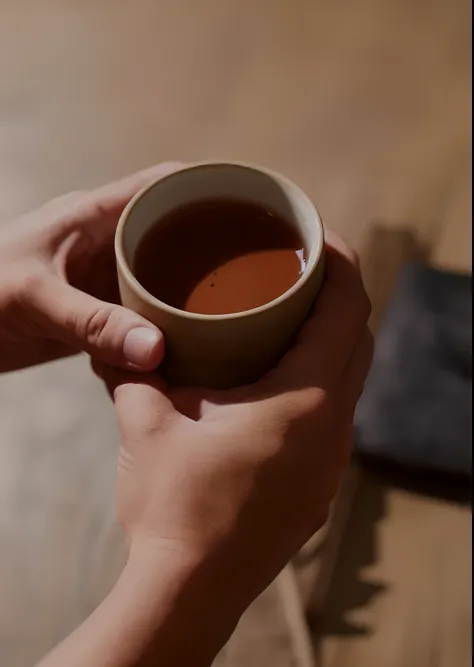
{"points": [[141, 402], [109, 333]]}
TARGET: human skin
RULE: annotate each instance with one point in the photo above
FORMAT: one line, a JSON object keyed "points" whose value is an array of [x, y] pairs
{"points": [[216, 490], [58, 283]]}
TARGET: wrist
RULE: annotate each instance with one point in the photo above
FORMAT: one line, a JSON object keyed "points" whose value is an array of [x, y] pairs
{"points": [[178, 602]]}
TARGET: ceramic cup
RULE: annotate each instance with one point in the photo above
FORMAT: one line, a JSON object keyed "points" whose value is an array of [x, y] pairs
{"points": [[221, 351]]}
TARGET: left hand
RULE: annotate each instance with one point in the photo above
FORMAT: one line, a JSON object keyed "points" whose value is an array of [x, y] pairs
{"points": [[58, 283]]}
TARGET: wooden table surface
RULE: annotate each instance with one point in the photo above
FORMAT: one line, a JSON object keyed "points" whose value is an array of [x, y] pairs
{"points": [[366, 104]]}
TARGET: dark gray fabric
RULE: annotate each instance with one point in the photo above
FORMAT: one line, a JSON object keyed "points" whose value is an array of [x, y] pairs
{"points": [[417, 405]]}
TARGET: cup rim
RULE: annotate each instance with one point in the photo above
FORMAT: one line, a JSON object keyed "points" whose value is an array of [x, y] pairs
{"points": [[127, 273]]}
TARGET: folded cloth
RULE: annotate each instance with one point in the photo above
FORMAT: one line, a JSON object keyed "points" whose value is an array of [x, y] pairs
{"points": [[417, 405]]}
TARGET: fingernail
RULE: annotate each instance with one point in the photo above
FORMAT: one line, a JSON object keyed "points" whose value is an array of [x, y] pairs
{"points": [[140, 344]]}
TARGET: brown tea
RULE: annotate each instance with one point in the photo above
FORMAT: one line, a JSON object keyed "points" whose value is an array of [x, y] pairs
{"points": [[219, 256]]}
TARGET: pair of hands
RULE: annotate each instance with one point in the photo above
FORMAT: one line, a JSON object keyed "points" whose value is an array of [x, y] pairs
{"points": [[239, 478]]}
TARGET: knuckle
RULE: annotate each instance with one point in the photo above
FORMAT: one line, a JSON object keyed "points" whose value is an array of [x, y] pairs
{"points": [[68, 199], [97, 325], [361, 304], [365, 304], [342, 246], [369, 341], [320, 519], [69, 206], [22, 297], [30, 285], [352, 255], [303, 403]]}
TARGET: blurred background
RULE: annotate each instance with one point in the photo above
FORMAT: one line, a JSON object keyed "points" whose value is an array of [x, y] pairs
{"points": [[366, 105]]}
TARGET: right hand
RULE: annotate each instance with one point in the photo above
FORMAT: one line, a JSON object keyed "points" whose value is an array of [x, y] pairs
{"points": [[242, 478]]}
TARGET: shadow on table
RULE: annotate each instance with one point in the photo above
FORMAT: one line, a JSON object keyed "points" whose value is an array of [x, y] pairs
{"points": [[386, 250], [352, 589]]}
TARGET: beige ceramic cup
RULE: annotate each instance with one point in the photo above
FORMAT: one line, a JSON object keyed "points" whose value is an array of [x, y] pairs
{"points": [[221, 351]]}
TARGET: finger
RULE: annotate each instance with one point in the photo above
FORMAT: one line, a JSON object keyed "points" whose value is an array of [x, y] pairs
{"points": [[334, 242], [350, 390], [353, 379], [109, 333], [140, 400], [99, 210], [192, 402], [114, 196], [188, 401], [328, 338]]}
